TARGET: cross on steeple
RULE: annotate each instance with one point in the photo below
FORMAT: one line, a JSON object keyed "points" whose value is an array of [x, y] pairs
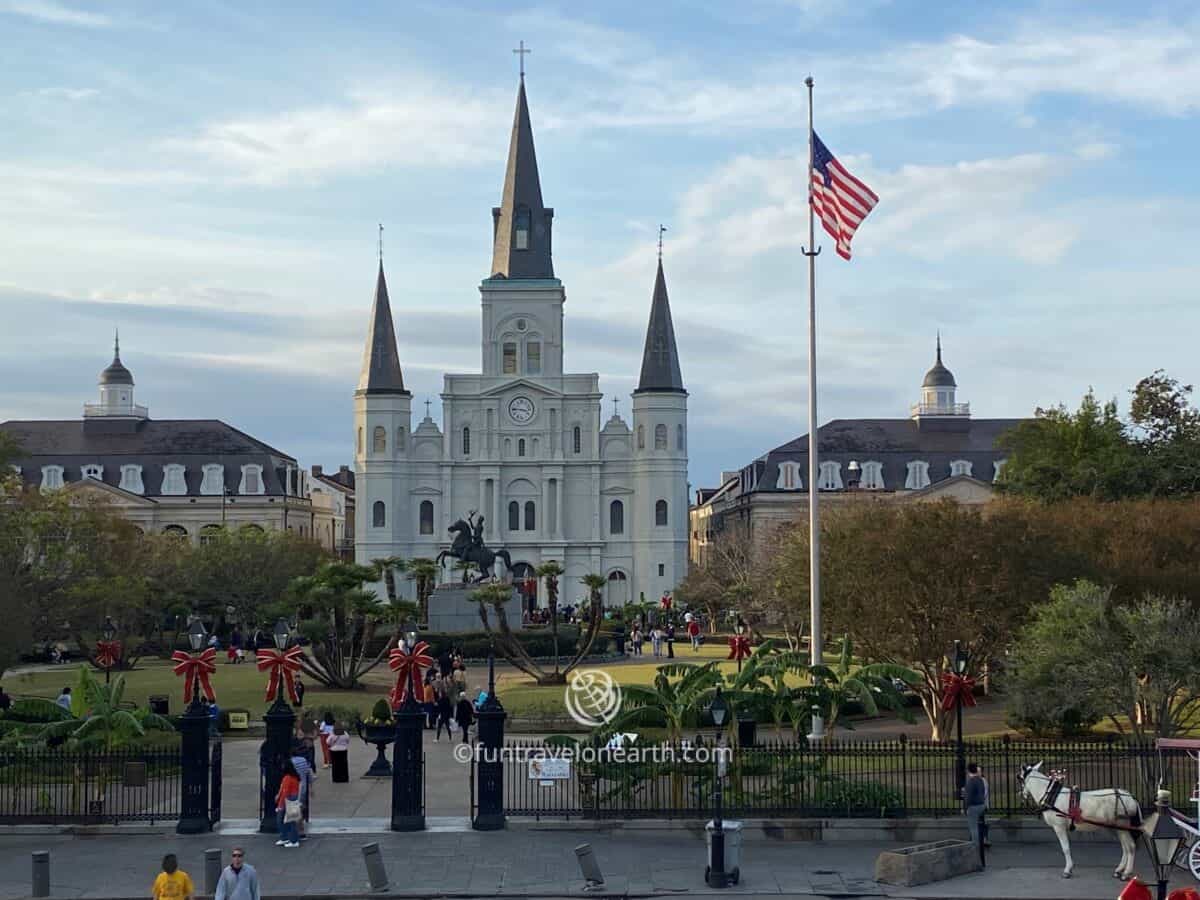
{"points": [[521, 51], [615, 406], [428, 402], [661, 230]]}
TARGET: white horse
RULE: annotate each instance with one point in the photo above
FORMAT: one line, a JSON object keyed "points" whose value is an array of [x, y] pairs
{"points": [[1112, 810]]}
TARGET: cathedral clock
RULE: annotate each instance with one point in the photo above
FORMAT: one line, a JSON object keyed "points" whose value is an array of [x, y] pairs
{"points": [[521, 409]]}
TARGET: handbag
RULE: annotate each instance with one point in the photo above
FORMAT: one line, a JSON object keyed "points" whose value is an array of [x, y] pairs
{"points": [[292, 812]]}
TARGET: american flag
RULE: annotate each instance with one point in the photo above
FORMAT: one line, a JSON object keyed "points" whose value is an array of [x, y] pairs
{"points": [[838, 198]]}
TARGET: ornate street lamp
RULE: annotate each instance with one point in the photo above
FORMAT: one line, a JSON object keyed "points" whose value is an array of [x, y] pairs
{"points": [[853, 474], [194, 813], [715, 873], [280, 721], [282, 634], [1164, 841], [109, 632], [959, 662]]}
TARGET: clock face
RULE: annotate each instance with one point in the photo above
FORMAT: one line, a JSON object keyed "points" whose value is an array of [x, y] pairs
{"points": [[521, 409]]}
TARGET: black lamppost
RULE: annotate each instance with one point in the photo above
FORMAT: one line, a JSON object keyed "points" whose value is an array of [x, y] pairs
{"points": [[109, 632], [853, 475], [490, 767], [408, 752], [715, 873], [1164, 841], [277, 748], [959, 662], [740, 628], [193, 727]]}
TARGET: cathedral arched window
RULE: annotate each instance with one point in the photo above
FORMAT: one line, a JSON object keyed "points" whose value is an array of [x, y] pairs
{"points": [[641, 437], [679, 437], [426, 517], [530, 516], [521, 447], [533, 357], [660, 513], [508, 363], [660, 437], [400, 444], [616, 517], [379, 440], [378, 514], [466, 441], [523, 224], [514, 516], [577, 438]]}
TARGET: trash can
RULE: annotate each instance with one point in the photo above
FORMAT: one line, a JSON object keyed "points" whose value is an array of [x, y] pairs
{"points": [[733, 848], [160, 704]]}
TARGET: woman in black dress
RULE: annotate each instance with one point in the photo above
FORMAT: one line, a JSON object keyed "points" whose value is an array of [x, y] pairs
{"points": [[339, 752]]}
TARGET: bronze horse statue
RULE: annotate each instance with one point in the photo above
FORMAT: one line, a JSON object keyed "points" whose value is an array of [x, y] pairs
{"points": [[468, 546]]}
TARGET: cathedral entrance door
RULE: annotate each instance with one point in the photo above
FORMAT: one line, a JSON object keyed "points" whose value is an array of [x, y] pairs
{"points": [[618, 589], [525, 581]]}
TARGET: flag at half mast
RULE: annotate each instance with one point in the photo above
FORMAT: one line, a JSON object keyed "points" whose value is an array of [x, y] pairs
{"points": [[839, 199]]}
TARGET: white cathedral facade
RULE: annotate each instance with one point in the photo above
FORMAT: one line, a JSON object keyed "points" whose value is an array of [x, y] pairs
{"points": [[522, 441]]}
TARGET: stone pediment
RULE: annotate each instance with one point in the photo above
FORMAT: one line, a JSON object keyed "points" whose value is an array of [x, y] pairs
{"points": [[616, 490], [90, 488], [520, 384], [427, 491]]}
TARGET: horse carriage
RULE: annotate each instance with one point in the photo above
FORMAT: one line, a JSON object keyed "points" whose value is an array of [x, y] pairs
{"points": [[1066, 809]]}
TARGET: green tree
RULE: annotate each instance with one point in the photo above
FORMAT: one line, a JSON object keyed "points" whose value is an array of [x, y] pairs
{"points": [[98, 718], [341, 617], [423, 571], [551, 571], [1167, 429], [387, 567]]}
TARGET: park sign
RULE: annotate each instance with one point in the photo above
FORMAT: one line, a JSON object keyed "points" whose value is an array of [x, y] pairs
{"points": [[549, 769]]}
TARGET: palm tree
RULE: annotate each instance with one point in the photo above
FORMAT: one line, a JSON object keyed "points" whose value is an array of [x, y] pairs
{"points": [[387, 567], [424, 571], [872, 685], [551, 571]]}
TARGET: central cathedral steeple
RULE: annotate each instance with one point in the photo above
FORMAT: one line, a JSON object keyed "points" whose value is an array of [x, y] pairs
{"points": [[521, 224]]}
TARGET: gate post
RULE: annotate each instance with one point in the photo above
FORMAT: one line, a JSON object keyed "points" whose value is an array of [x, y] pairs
{"points": [[275, 749], [408, 764], [490, 815], [193, 758]]}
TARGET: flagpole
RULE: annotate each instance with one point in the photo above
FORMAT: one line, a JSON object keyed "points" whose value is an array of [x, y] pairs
{"points": [[814, 532]]}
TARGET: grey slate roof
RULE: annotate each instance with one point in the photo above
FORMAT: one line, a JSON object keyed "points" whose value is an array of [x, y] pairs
{"points": [[116, 373], [152, 444], [660, 358], [892, 442], [381, 372], [522, 191]]}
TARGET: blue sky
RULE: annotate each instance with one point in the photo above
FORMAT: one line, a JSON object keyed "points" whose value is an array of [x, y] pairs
{"points": [[209, 178]]}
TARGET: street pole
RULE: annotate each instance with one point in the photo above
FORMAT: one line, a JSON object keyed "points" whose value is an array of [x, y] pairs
{"points": [[814, 533], [408, 761], [961, 750], [193, 810], [490, 765]]}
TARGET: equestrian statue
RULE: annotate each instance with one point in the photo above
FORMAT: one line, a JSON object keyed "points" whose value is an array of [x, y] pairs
{"points": [[468, 546]]}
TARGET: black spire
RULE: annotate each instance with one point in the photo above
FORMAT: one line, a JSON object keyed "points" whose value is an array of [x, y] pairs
{"points": [[939, 375], [116, 373], [381, 362], [521, 224], [660, 359]]}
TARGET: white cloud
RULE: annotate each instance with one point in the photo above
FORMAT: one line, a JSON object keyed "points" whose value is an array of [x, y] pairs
{"points": [[66, 93], [1096, 150], [54, 13]]}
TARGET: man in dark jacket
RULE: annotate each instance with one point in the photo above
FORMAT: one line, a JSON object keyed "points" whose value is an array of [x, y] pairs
{"points": [[975, 802]]}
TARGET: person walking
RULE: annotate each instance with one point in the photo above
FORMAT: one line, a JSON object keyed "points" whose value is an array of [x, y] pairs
{"points": [[287, 807], [339, 752], [656, 639], [669, 637], [693, 630], [172, 882], [429, 698], [304, 770], [325, 732], [464, 714], [299, 690], [444, 709], [239, 881], [974, 802], [64, 699], [635, 638]]}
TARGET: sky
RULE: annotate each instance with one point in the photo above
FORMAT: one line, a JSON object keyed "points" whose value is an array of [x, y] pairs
{"points": [[209, 179]]}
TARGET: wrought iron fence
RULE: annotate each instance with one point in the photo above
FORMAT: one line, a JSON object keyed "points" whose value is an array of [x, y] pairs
{"points": [[833, 779], [57, 786]]}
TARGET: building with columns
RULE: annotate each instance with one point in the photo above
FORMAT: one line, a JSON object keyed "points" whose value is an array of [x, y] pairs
{"points": [[522, 441]]}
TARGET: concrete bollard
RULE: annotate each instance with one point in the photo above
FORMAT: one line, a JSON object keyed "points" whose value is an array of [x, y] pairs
{"points": [[41, 873], [589, 867], [376, 873], [212, 870]]}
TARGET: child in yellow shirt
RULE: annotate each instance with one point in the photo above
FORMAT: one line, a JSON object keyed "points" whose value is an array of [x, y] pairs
{"points": [[172, 882]]}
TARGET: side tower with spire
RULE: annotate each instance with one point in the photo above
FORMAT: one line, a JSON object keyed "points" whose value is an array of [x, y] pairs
{"points": [[382, 422], [660, 450], [116, 391], [939, 409]]}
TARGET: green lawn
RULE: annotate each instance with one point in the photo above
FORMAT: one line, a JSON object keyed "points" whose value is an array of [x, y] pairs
{"points": [[243, 686]]}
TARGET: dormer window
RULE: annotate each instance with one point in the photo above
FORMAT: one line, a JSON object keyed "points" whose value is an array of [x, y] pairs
{"points": [[252, 482], [173, 481], [918, 475], [829, 476], [94, 471], [998, 469], [872, 476], [789, 477], [213, 482], [960, 467], [131, 479], [52, 478], [523, 224]]}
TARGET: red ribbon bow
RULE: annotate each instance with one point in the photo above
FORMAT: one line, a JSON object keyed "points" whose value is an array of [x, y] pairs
{"points": [[739, 647], [196, 665], [955, 687], [107, 653], [402, 662], [283, 665]]}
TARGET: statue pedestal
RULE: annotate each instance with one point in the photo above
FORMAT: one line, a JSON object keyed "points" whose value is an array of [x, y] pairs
{"points": [[452, 611]]}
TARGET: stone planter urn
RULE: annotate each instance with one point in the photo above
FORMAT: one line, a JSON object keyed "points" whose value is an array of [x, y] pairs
{"points": [[380, 735]]}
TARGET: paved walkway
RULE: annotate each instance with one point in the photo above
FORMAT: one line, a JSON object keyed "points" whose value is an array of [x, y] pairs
{"points": [[527, 863]]}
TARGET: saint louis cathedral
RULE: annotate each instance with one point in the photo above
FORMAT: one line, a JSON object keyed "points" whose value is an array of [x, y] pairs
{"points": [[521, 441]]}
